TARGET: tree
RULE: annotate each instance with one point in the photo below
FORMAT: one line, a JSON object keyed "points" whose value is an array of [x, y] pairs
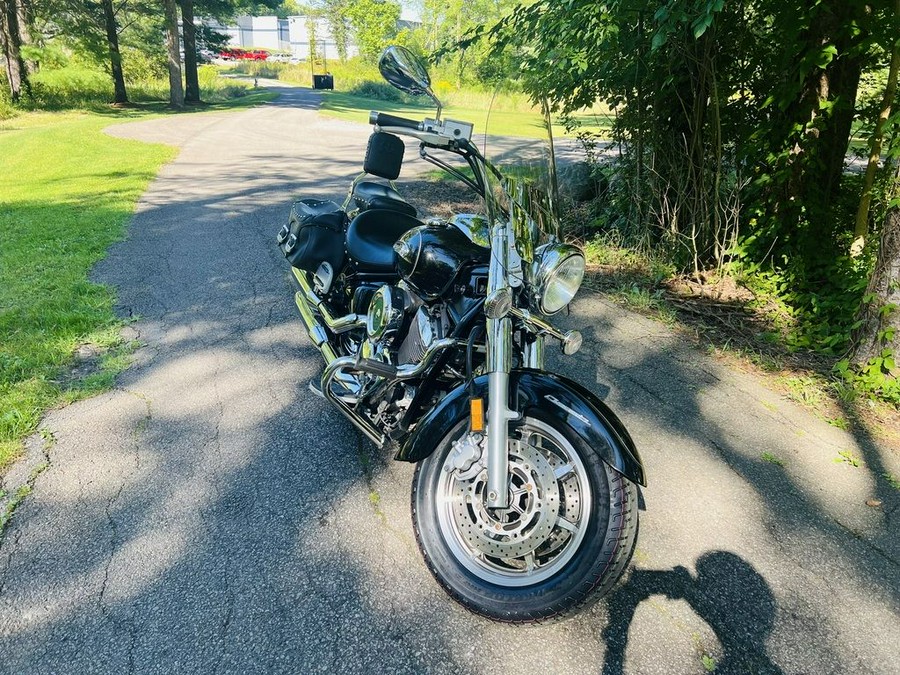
{"points": [[374, 23], [103, 31], [176, 91], [189, 32], [335, 13], [876, 143], [11, 45], [876, 349], [115, 56]]}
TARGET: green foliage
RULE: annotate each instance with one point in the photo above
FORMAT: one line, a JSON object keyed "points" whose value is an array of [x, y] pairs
{"points": [[76, 86], [892, 480], [709, 663], [335, 13], [374, 23], [772, 459], [732, 122], [381, 91], [872, 379], [445, 30]]}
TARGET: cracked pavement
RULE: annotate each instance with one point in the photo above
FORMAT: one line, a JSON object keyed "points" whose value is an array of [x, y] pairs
{"points": [[209, 515]]}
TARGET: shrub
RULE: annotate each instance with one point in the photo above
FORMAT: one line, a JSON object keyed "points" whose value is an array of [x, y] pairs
{"points": [[70, 87], [381, 91]]}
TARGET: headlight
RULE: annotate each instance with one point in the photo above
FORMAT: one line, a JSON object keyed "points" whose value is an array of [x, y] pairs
{"points": [[559, 275]]}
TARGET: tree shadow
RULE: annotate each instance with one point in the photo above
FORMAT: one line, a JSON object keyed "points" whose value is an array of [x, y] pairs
{"points": [[727, 592], [873, 459]]}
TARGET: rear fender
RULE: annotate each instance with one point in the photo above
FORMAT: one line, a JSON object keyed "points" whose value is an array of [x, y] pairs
{"points": [[550, 395]]}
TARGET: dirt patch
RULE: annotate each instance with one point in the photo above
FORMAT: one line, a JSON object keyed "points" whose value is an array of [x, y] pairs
{"points": [[729, 322], [440, 198], [85, 362]]}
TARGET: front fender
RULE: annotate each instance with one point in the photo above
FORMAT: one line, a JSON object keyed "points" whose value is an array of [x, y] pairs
{"points": [[552, 395]]}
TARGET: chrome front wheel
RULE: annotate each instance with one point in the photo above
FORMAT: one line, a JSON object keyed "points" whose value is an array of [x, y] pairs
{"points": [[549, 505], [565, 538]]}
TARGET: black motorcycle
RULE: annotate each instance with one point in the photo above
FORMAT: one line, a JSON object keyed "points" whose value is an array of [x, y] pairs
{"points": [[524, 500]]}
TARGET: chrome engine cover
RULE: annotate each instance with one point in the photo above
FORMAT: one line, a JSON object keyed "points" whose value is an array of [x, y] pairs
{"points": [[385, 313], [423, 330]]}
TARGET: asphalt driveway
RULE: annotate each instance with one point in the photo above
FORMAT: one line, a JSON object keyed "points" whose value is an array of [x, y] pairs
{"points": [[210, 515]]}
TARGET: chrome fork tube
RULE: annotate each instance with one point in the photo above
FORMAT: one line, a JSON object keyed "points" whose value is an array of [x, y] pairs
{"points": [[499, 363]]}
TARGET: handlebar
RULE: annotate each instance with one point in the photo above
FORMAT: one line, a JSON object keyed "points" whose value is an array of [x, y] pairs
{"points": [[385, 120]]}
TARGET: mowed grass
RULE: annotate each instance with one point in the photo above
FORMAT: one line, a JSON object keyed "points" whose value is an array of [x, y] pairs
{"points": [[67, 191], [495, 120]]}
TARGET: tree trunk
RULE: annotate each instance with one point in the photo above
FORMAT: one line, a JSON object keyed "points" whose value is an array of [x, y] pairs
{"points": [[827, 131], [875, 144], [11, 43], [25, 19], [880, 313], [824, 111], [176, 91], [834, 141], [189, 31], [115, 57]]}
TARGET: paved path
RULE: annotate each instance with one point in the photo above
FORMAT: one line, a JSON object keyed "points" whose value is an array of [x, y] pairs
{"points": [[210, 515]]}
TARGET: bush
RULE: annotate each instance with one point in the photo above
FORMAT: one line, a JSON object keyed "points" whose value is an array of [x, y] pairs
{"points": [[381, 91], [141, 67], [6, 110], [70, 87]]}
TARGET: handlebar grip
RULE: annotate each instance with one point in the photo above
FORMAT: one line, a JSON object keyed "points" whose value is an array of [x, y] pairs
{"points": [[385, 120], [379, 368]]}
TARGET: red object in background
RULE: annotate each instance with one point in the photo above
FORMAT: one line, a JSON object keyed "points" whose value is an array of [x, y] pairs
{"points": [[235, 53]]}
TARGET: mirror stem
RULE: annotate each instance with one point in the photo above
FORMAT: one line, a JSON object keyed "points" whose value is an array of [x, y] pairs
{"points": [[437, 102]]}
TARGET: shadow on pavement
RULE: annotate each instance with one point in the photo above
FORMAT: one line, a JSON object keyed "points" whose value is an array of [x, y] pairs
{"points": [[727, 593]]}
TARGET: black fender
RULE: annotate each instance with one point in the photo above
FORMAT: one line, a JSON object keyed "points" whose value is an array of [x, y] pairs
{"points": [[553, 396]]}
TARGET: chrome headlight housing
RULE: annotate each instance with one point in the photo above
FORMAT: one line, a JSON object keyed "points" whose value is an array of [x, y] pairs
{"points": [[559, 271]]}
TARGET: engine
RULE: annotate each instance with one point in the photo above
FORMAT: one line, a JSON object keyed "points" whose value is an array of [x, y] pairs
{"points": [[400, 327], [399, 330]]}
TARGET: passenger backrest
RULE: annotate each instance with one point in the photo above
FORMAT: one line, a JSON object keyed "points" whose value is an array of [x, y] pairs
{"points": [[384, 155]]}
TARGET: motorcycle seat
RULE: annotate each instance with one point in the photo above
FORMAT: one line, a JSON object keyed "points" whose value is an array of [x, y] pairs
{"points": [[371, 236], [371, 195]]}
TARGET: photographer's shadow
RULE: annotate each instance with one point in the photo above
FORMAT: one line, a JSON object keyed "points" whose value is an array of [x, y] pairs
{"points": [[727, 593]]}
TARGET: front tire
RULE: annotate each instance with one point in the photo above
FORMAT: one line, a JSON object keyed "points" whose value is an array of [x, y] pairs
{"points": [[565, 540]]}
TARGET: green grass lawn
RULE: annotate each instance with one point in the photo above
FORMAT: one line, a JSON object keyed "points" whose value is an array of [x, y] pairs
{"points": [[67, 191], [497, 122]]}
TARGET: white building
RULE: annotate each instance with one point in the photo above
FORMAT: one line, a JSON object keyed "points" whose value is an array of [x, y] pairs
{"points": [[326, 46], [289, 35], [264, 32]]}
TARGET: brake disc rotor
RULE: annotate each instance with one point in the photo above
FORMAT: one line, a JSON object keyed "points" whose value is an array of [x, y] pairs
{"points": [[533, 507]]}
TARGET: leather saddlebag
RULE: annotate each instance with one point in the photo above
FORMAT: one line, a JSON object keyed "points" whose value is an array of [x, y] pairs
{"points": [[313, 235]]}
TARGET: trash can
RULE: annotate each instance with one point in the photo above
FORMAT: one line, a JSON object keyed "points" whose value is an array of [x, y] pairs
{"points": [[323, 81]]}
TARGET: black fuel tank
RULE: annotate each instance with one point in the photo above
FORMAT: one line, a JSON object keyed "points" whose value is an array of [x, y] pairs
{"points": [[431, 257]]}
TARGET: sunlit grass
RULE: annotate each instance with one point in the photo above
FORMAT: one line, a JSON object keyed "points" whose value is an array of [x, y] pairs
{"points": [[67, 191], [496, 122]]}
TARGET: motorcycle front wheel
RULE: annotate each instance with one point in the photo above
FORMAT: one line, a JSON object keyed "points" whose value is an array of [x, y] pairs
{"points": [[565, 539]]}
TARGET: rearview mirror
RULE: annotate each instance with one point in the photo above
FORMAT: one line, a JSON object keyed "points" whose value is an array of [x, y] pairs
{"points": [[405, 71]]}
